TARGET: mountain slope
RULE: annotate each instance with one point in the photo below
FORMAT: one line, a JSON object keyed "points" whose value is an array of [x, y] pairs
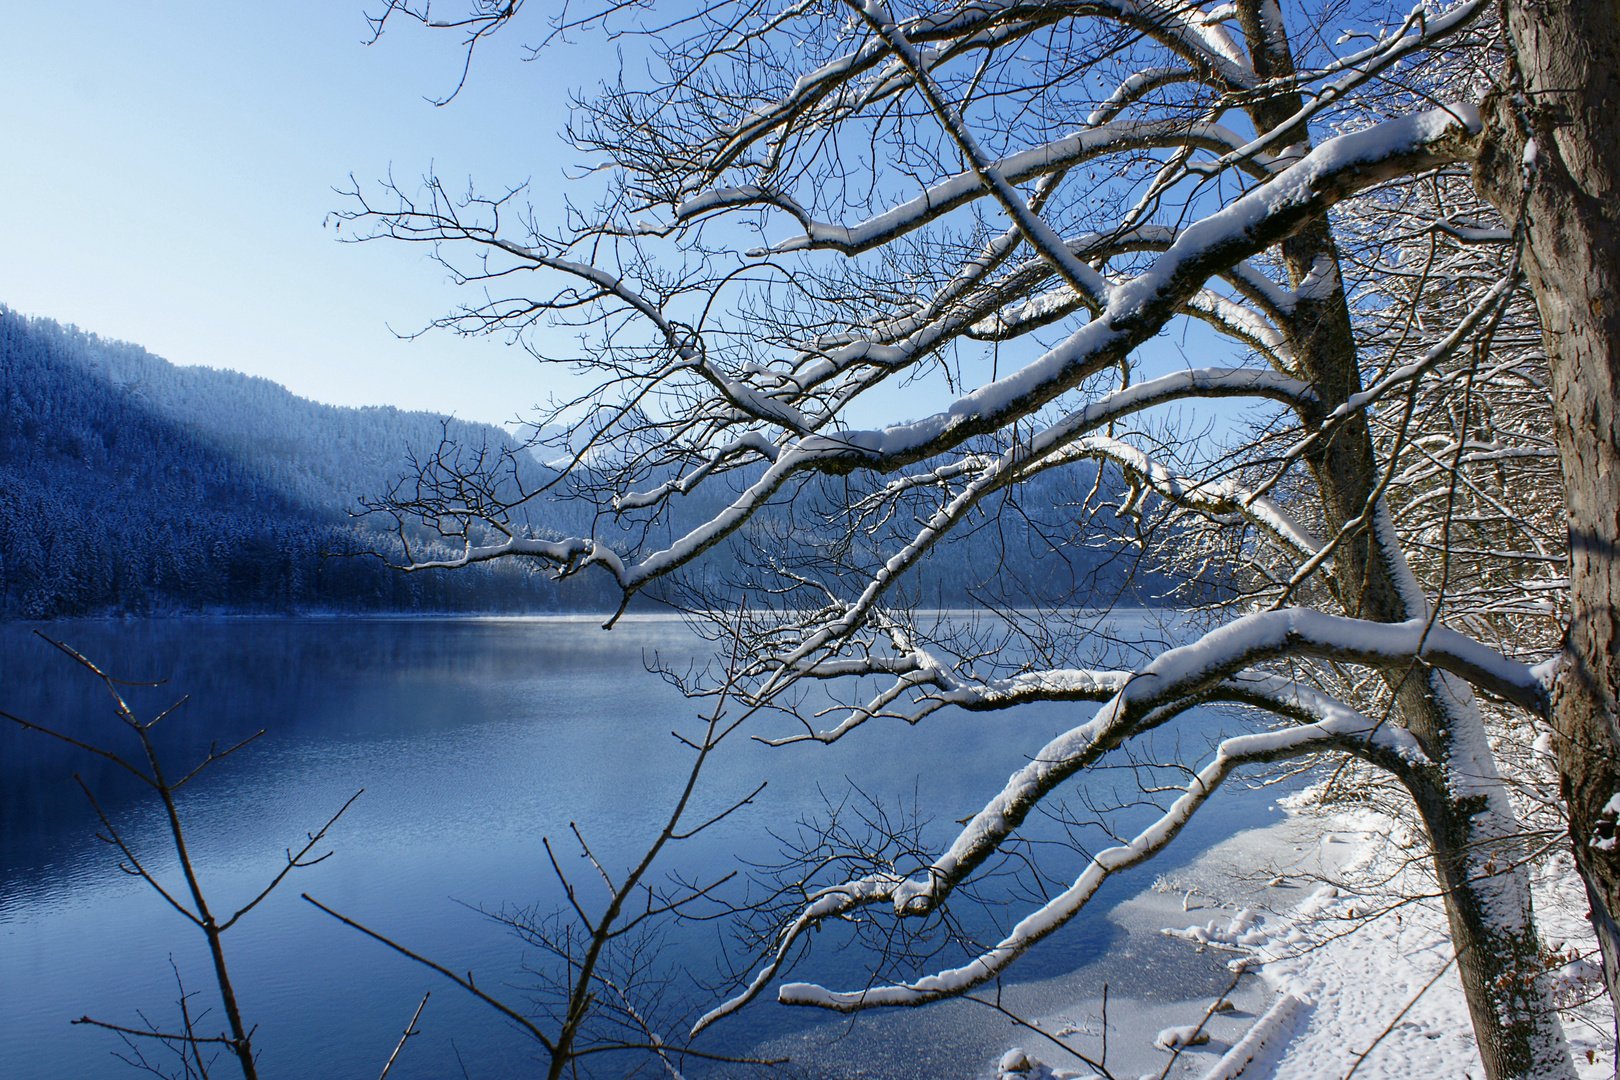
{"points": [[128, 484]]}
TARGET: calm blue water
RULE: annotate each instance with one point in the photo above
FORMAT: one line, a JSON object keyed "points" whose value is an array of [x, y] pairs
{"points": [[473, 739]]}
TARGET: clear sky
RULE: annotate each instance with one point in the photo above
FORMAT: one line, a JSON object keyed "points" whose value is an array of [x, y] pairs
{"points": [[167, 166]]}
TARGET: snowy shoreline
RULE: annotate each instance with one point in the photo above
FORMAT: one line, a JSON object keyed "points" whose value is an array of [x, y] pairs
{"points": [[1337, 966], [1334, 965]]}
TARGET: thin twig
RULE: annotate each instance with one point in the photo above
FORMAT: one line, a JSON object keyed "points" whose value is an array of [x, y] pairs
{"points": [[293, 861], [108, 754], [139, 871], [1209, 1012], [466, 984], [410, 1029], [1391, 1025], [1061, 1045], [225, 1039]]}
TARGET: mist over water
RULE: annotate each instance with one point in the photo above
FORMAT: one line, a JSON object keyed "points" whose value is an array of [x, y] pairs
{"points": [[473, 739]]}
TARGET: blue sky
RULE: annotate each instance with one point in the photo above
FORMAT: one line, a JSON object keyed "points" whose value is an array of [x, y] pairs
{"points": [[168, 165]]}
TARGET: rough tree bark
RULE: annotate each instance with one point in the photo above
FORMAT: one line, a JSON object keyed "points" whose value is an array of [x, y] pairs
{"points": [[1550, 159], [1470, 833]]}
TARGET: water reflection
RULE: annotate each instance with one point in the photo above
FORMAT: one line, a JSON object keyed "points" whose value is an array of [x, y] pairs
{"points": [[473, 739]]}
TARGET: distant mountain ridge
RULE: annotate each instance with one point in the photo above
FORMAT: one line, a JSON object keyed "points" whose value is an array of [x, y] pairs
{"points": [[321, 455], [129, 484]]}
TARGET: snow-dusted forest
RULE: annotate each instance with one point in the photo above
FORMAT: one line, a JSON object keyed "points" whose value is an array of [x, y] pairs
{"points": [[128, 484]]}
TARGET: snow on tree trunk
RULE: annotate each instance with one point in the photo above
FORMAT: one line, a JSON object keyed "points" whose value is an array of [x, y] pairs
{"points": [[1550, 161], [1478, 854]]}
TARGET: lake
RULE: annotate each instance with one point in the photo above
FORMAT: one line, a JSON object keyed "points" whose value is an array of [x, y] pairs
{"points": [[473, 740]]}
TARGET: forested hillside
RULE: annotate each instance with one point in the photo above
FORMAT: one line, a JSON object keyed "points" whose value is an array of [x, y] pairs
{"points": [[128, 484], [131, 485]]}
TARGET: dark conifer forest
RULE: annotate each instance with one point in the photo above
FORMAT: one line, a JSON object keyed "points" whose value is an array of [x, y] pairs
{"points": [[129, 485]]}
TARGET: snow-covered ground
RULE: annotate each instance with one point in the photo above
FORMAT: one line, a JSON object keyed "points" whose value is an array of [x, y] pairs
{"points": [[1345, 974]]}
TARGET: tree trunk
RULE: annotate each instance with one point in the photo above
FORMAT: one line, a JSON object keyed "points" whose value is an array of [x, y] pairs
{"points": [[1459, 798], [1551, 153]]}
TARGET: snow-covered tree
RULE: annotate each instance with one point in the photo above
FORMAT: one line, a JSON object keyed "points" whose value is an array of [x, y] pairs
{"points": [[871, 271], [1550, 161]]}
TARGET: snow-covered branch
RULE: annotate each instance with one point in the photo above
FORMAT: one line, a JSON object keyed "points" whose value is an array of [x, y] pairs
{"points": [[1135, 310], [1331, 725], [956, 191], [898, 290]]}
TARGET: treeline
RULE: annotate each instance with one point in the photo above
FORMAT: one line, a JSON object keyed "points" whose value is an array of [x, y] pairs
{"points": [[128, 485]]}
